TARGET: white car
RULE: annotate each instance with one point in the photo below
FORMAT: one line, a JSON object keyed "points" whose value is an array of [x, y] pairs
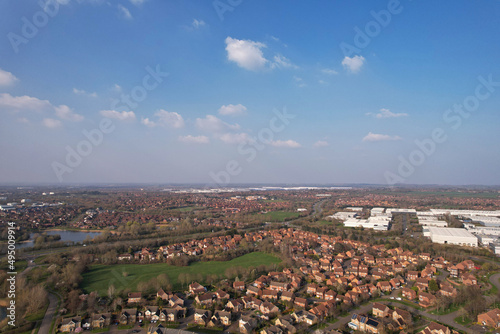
{"points": [[399, 298]]}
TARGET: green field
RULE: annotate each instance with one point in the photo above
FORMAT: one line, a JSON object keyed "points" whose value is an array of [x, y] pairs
{"points": [[279, 216], [100, 277]]}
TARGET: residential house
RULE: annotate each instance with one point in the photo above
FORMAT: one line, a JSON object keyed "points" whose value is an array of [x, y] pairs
{"points": [[71, 324], [435, 328], [304, 316], [197, 288], [128, 316], [204, 299], [134, 297], [363, 324], [201, 317], [247, 324], [490, 318], [426, 299], [101, 320], [409, 294], [380, 310]]}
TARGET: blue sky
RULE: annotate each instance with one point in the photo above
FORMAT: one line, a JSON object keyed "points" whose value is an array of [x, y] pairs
{"points": [[363, 81]]}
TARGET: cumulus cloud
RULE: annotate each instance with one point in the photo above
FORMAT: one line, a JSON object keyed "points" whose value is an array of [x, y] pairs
{"points": [[18, 103], [51, 123], [189, 139], [122, 116], [124, 12], [29, 103], [320, 143], [166, 119], [213, 124], [235, 138], [245, 53], [232, 110], [7, 78], [197, 23], [353, 64], [147, 122], [380, 137], [66, 113], [82, 92], [386, 113], [285, 143]]}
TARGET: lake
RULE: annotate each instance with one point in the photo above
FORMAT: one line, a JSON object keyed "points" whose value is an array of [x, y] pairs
{"points": [[3, 313], [74, 236]]}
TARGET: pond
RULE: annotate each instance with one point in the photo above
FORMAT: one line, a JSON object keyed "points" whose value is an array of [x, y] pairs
{"points": [[3, 313], [67, 236]]}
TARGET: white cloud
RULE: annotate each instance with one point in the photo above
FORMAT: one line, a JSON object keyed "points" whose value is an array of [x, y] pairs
{"points": [[245, 53], [282, 62], [329, 71], [285, 143], [23, 120], [189, 139], [386, 113], [124, 12], [300, 82], [117, 88], [82, 92], [51, 123], [213, 124], [197, 23], [236, 138], [18, 103], [7, 78], [353, 64], [321, 143], [66, 113], [122, 116], [380, 137], [170, 119], [137, 2], [232, 110], [148, 122], [166, 119], [28, 103]]}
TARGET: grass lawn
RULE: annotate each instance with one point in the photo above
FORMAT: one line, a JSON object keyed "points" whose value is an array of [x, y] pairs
{"points": [[100, 277], [279, 216], [189, 208]]}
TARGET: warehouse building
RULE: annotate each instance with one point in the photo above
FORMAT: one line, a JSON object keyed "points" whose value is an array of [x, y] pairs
{"points": [[453, 236]]}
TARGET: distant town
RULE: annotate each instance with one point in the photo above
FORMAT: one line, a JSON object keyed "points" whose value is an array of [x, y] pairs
{"points": [[252, 259]]}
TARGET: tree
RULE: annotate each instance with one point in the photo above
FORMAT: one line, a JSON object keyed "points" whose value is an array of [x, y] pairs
{"points": [[111, 291], [433, 286]]}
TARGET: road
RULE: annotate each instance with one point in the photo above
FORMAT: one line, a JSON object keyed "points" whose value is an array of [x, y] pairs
{"points": [[49, 314]]}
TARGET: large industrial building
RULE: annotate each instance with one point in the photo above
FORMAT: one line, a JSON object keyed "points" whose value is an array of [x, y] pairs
{"points": [[453, 236]]}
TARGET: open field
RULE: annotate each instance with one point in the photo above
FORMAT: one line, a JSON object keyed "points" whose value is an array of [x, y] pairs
{"points": [[279, 216], [100, 277]]}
